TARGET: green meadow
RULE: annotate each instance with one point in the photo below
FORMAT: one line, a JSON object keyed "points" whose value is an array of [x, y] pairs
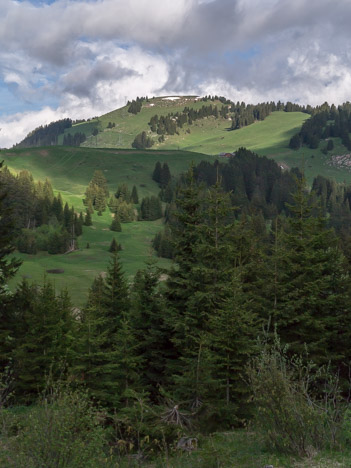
{"points": [[70, 170], [211, 136]]}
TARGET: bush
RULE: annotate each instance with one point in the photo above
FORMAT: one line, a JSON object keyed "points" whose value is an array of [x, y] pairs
{"points": [[60, 431], [298, 407]]}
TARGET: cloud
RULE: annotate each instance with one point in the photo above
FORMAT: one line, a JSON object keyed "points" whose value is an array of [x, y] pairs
{"points": [[89, 56]]}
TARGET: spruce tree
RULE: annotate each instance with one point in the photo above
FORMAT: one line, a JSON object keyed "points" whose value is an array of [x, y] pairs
{"points": [[44, 343], [116, 225], [156, 175], [95, 362], [114, 246], [115, 295], [134, 195], [152, 333], [312, 299], [88, 221]]}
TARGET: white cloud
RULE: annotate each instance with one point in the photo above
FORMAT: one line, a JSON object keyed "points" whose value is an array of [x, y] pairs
{"points": [[13, 128], [89, 56]]}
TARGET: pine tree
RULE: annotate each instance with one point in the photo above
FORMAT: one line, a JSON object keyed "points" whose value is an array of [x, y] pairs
{"points": [[165, 176], [88, 221], [114, 246], [115, 295], [134, 196], [156, 175], [43, 345], [95, 362], [116, 225], [233, 333], [312, 299], [152, 333]]}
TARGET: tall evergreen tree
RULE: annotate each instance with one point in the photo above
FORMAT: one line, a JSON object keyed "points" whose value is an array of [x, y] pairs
{"points": [[312, 299], [152, 333], [134, 195]]}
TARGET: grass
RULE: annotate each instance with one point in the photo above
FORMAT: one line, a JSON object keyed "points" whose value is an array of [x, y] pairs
{"points": [[242, 449], [211, 136], [70, 170]]}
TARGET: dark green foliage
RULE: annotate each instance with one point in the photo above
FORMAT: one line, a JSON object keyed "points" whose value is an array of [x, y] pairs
{"points": [[152, 333], [156, 175], [62, 430], [87, 220], [116, 225], [134, 196], [43, 337], [8, 268], [312, 296], [47, 135], [167, 193], [295, 142], [123, 193], [37, 215], [115, 298], [162, 243], [136, 105], [108, 364], [142, 141], [114, 246], [165, 176], [150, 208], [330, 145], [326, 121], [74, 140]]}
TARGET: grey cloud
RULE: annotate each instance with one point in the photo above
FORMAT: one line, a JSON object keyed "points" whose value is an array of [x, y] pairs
{"points": [[82, 81]]}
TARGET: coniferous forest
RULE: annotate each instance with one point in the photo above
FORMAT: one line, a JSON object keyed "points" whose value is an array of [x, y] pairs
{"points": [[250, 327]]}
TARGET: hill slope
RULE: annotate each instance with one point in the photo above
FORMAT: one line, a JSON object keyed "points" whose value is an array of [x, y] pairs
{"points": [[70, 170]]}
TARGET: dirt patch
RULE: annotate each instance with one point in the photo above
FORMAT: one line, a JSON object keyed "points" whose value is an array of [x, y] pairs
{"points": [[43, 153], [56, 271]]}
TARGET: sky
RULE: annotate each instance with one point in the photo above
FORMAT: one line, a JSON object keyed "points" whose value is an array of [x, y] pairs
{"points": [[82, 58]]}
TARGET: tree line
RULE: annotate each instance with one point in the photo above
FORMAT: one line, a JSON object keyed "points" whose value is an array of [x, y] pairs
{"points": [[41, 220], [45, 135], [326, 122], [190, 340]]}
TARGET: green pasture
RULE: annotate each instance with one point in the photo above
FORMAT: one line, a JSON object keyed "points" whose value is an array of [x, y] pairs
{"points": [[129, 125], [211, 136], [70, 170], [82, 266]]}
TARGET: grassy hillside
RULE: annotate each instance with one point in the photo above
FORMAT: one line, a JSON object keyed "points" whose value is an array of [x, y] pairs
{"points": [[70, 170], [208, 135], [212, 136]]}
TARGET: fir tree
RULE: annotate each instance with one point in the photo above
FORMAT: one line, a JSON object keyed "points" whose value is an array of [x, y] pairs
{"points": [[114, 246], [116, 225], [152, 334], [88, 221], [312, 295], [134, 195]]}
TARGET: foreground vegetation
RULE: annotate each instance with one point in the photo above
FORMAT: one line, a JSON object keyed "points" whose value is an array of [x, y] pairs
{"points": [[249, 329]]}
